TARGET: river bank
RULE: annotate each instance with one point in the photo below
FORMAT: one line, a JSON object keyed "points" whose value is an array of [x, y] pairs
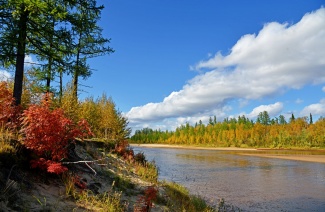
{"points": [[99, 179], [269, 153]]}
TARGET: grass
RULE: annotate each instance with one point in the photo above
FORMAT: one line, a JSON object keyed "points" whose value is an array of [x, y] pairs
{"points": [[6, 145], [179, 199], [147, 172], [108, 201]]}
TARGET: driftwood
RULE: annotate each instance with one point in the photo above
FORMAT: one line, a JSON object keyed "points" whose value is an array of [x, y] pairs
{"points": [[86, 163], [74, 158]]}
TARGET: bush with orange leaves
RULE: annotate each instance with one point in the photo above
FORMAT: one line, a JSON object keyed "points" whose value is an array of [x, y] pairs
{"points": [[145, 203], [9, 113], [48, 133]]}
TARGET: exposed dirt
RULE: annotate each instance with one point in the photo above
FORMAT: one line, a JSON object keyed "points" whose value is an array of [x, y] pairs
{"points": [[23, 189]]}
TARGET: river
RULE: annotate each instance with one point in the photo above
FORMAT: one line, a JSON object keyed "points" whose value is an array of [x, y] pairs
{"points": [[248, 182]]}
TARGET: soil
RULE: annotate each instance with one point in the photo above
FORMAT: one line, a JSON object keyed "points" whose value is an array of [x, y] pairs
{"points": [[25, 189]]}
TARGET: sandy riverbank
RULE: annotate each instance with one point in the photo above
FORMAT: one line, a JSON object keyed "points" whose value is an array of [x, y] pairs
{"points": [[319, 158], [192, 147]]}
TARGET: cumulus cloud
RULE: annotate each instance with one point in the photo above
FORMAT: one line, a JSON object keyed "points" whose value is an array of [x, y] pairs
{"points": [[29, 61], [279, 57], [272, 109], [315, 109], [4, 75]]}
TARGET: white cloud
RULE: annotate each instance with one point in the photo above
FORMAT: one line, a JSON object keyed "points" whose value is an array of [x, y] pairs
{"points": [[278, 58], [272, 109], [314, 109], [4, 75], [299, 101], [29, 61], [323, 89]]}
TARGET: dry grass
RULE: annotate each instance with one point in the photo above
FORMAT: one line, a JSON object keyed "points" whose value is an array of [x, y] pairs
{"points": [[5, 141]]}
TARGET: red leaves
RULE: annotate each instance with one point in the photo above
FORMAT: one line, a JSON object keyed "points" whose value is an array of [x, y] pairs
{"points": [[145, 203], [6, 102], [78, 182], [50, 166], [56, 168], [9, 113], [48, 133], [122, 149]]}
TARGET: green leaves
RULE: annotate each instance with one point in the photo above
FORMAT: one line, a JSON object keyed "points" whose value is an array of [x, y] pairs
{"points": [[60, 33]]}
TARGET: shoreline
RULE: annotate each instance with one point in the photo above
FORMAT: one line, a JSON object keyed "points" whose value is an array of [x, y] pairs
{"points": [[192, 147], [306, 158]]}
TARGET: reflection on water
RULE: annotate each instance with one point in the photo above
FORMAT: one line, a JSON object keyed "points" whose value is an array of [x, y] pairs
{"points": [[248, 182]]}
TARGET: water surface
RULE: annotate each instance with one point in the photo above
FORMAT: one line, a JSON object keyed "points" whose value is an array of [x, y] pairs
{"points": [[249, 182]]}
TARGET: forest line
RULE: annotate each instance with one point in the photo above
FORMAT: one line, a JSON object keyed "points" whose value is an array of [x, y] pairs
{"points": [[299, 132]]}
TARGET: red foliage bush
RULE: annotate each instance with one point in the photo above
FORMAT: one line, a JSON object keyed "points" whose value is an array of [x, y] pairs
{"points": [[9, 113], [78, 182], [145, 203], [47, 133], [122, 148]]}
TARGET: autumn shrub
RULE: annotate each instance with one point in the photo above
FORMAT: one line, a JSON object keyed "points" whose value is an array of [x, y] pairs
{"points": [[48, 133], [145, 202], [69, 104], [140, 158], [9, 113], [122, 148]]}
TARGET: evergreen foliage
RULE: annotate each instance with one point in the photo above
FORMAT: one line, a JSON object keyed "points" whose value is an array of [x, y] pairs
{"points": [[61, 34]]}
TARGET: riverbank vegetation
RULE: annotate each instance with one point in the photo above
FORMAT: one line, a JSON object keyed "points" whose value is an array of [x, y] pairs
{"points": [[58, 152], [72, 155], [299, 132]]}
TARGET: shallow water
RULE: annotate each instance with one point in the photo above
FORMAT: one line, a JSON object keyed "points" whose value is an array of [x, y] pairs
{"points": [[248, 182]]}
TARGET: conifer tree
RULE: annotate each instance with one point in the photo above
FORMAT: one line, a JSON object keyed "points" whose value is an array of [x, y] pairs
{"points": [[88, 41], [310, 119], [23, 23]]}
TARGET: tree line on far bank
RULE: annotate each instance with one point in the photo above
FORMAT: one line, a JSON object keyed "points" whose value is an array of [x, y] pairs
{"points": [[265, 132]]}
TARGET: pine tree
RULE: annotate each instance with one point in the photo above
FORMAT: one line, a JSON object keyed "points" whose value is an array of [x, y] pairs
{"points": [[310, 119], [88, 41], [22, 23], [292, 118]]}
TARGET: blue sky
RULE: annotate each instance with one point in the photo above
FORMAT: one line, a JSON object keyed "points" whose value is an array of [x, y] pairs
{"points": [[179, 61]]}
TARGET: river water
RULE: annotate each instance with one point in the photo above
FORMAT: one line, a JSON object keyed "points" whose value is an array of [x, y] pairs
{"points": [[250, 183]]}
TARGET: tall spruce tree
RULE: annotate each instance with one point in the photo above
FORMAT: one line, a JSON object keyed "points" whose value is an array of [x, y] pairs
{"points": [[24, 27], [88, 41], [263, 118], [310, 119], [52, 44], [63, 33]]}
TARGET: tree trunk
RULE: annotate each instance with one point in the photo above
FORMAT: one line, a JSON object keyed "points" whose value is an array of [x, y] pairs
{"points": [[76, 75], [50, 60], [21, 46], [61, 84], [75, 81], [49, 76]]}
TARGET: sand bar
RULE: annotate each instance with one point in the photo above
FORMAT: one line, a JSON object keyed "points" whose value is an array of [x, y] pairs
{"points": [[192, 147], [319, 158]]}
